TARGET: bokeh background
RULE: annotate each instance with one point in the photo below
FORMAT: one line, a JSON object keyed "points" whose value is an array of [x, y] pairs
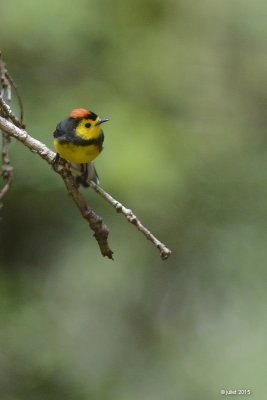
{"points": [[184, 86]]}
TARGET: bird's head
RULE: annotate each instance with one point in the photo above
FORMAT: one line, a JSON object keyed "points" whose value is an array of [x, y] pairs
{"points": [[88, 123]]}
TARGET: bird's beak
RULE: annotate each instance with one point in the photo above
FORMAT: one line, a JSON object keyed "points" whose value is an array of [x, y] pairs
{"points": [[101, 121]]}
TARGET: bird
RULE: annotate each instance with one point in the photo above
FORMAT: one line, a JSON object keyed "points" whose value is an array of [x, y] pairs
{"points": [[79, 140]]}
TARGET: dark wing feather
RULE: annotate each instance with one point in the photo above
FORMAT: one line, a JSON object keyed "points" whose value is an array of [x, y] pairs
{"points": [[65, 129]]}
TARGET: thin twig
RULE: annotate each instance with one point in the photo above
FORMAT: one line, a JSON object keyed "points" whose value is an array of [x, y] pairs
{"points": [[7, 169], [132, 218], [6, 112], [6, 84], [13, 84], [95, 222]]}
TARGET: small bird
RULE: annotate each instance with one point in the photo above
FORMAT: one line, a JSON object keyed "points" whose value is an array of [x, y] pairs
{"points": [[79, 139]]}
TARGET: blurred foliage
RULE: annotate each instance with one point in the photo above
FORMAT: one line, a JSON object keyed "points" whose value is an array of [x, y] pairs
{"points": [[183, 84]]}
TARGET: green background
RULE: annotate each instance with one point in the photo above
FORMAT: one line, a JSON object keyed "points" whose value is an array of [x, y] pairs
{"points": [[184, 86]]}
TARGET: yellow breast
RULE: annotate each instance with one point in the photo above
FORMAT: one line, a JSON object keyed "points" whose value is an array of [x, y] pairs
{"points": [[75, 153]]}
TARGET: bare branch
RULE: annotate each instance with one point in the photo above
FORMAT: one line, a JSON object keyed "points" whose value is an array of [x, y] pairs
{"points": [[101, 231], [33, 144], [132, 218], [6, 84], [6, 112], [7, 170], [13, 84]]}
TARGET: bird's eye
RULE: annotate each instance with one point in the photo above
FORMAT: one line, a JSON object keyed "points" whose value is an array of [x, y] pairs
{"points": [[87, 125]]}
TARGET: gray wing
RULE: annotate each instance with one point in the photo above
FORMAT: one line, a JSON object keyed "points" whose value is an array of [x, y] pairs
{"points": [[64, 129]]}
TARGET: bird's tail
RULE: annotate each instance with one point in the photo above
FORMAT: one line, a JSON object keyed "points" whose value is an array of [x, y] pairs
{"points": [[87, 173]]}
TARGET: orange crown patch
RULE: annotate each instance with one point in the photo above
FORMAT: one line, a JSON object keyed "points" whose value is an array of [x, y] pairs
{"points": [[79, 113]]}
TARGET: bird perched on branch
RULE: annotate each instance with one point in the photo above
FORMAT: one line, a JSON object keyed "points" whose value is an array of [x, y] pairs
{"points": [[79, 139]]}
